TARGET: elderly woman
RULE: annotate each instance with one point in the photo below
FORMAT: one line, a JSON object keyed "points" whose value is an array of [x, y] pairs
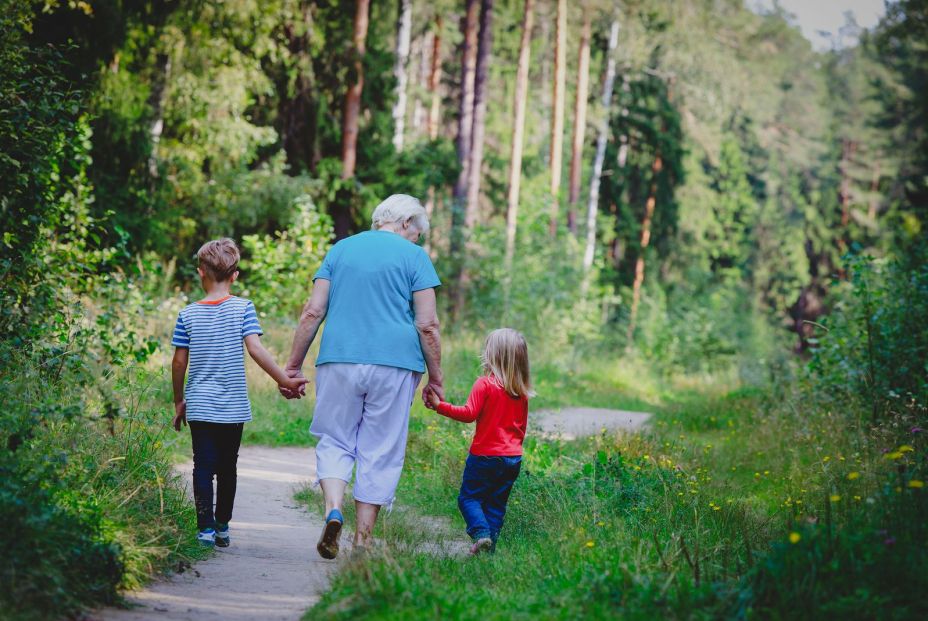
{"points": [[376, 291]]}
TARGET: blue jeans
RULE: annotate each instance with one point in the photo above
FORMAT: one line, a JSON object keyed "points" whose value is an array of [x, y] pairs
{"points": [[215, 454], [485, 489]]}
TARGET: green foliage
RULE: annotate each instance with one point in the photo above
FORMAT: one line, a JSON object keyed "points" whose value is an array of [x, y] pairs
{"points": [[41, 147], [83, 472], [279, 269], [873, 567], [874, 346]]}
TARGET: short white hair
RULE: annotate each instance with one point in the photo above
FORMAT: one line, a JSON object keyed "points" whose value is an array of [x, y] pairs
{"points": [[400, 208]]}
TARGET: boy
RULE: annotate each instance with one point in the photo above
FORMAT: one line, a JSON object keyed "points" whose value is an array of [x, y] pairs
{"points": [[215, 404]]}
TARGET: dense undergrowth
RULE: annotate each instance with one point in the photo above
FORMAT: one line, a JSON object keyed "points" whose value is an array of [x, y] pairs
{"points": [[88, 500]]}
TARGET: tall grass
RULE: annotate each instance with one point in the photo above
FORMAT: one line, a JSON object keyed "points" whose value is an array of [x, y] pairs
{"points": [[88, 500], [737, 503]]}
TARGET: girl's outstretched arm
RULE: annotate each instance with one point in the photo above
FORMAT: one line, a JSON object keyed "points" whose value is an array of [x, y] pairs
{"points": [[466, 413]]}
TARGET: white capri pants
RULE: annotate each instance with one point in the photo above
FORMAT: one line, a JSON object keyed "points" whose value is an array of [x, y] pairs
{"points": [[362, 416]]}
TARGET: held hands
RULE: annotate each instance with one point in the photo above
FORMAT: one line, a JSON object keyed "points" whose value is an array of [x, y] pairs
{"points": [[430, 398], [295, 388], [180, 415]]}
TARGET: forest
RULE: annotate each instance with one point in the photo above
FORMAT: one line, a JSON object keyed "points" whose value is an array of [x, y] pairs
{"points": [[686, 208]]}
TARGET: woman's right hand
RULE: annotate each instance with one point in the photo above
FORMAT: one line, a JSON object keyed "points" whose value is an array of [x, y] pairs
{"points": [[294, 393]]}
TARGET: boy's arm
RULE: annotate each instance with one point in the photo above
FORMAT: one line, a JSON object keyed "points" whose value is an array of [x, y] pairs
{"points": [[178, 372], [466, 413], [263, 357]]}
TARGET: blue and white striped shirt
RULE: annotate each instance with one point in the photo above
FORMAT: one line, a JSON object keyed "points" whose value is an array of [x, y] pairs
{"points": [[213, 331]]}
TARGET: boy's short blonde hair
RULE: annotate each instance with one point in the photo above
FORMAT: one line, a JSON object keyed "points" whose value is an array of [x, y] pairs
{"points": [[219, 258]]}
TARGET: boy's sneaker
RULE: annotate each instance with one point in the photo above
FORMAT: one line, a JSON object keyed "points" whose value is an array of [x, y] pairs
{"points": [[328, 540], [207, 537], [222, 535], [484, 544]]}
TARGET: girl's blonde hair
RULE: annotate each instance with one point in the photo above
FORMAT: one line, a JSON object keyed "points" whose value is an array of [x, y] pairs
{"points": [[505, 357]]}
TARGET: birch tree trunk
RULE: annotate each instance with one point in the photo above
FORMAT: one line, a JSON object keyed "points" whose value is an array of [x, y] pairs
{"points": [[645, 241], [156, 101], [480, 114], [576, 157], [601, 137], [518, 132], [403, 37], [557, 118], [622, 157]]}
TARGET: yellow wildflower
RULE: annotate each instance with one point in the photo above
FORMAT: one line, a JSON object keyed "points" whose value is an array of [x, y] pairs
{"points": [[834, 498], [916, 484], [853, 475], [794, 537], [893, 455], [905, 448], [590, 544]]}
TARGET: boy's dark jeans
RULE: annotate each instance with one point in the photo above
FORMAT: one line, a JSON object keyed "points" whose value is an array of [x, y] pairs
{"points": [[215, 453], [485, 489]]}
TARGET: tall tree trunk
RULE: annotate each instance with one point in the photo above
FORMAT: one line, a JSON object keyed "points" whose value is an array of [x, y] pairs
{"points": [[403, 38], [469, 25], [844, 196], [645, 241], [342, 214], [480, 114], [622, 156], [156, 101], [602, 136], [518, 131], [583, 88], [297, 109], [872, 203], [353, 96], [557, 118], [435, 80], [476, 148]]}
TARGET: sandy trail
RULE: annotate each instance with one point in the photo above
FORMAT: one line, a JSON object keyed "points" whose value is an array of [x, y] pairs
{"points": [[572, 423], [271, 571]]}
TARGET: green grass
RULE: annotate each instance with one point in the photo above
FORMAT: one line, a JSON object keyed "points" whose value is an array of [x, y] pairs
{"points": [[88, 499], [691, 520]]}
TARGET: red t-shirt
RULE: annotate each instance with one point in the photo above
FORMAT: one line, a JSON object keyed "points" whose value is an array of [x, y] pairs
{"points": [[501, 418]]}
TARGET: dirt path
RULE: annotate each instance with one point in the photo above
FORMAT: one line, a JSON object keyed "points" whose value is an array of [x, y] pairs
{"points": [[271, 571], [571, 423]]}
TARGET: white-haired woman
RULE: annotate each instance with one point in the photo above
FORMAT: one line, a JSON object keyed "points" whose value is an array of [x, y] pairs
{"points": [[376, 291]]}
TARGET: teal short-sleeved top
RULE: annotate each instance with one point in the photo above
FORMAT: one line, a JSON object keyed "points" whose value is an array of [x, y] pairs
{"points": [[370, 319]]}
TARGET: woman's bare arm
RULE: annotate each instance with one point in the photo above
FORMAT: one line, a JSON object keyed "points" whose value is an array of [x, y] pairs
{"points": [[430, 338], [310, 319]]}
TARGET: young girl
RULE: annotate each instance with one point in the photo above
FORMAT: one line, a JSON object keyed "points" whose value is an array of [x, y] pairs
{"points": [[499, 403]]}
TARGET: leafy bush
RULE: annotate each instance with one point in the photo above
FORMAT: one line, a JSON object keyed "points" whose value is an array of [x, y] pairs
{"points": [[81, 474], [279, 269], [874, 346]]}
